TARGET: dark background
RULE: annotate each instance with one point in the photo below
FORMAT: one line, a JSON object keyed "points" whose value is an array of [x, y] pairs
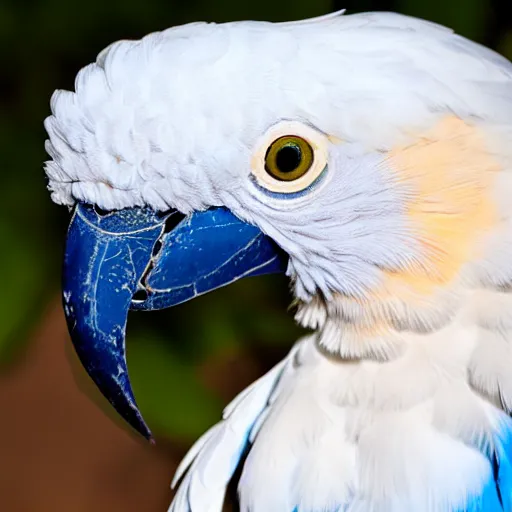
{"points": [[61, 447]]}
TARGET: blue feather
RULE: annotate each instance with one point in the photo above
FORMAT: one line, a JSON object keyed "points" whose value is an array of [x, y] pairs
{"points": [[502, 463], [487, 501], [496, 495]]}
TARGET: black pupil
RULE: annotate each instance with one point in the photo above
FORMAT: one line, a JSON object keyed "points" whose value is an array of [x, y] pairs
{"points": [[288, 158]]}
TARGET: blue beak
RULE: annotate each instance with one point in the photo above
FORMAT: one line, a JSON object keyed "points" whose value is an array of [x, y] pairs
{"points": [[140, 259]]}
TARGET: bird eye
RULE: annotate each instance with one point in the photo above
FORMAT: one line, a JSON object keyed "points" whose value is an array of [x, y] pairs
{"points": [[288, 158]]}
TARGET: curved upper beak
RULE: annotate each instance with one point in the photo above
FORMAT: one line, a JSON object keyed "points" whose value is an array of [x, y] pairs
{"points": [[139, 259]]}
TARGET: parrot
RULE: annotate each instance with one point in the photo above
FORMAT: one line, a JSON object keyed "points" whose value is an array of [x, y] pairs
{"points": [[368, 157]]}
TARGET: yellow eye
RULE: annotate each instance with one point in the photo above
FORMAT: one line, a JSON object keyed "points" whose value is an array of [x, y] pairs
{"points": [[288, 158]]}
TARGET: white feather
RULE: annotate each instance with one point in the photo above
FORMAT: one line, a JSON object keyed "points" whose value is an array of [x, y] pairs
{"points": [[193, 99], [214, 458]]}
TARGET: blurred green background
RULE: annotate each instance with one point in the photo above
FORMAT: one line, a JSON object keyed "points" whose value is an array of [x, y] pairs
{"points": [[61, 447]]}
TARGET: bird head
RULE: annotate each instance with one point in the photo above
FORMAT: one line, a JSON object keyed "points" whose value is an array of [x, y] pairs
{"points": [[363, 155]]}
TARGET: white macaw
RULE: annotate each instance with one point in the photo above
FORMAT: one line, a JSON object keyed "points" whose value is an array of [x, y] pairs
{"points": [[370, 157]]}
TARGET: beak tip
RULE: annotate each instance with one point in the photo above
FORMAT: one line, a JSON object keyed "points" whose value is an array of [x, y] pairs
{"points": [[144, 431]]}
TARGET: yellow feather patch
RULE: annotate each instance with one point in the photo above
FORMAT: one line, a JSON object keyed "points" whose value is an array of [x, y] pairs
{"points": [[449, 174]]}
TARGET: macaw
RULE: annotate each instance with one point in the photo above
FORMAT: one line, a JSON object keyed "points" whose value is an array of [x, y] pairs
{"points": [[369, 157]]}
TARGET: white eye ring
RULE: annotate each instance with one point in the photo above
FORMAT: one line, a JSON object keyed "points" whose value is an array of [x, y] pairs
{"points": [[318, 144]]}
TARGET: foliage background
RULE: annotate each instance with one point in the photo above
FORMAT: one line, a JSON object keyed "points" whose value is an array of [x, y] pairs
{"points": [[61, 448]]}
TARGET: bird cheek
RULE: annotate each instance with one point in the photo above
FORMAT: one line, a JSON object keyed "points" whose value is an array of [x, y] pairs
{"points": [[450, 175]]}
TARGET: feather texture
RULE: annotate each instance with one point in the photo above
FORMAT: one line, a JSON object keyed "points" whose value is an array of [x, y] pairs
{"points": [[214, 458], [142, 128], [337, 435]]}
